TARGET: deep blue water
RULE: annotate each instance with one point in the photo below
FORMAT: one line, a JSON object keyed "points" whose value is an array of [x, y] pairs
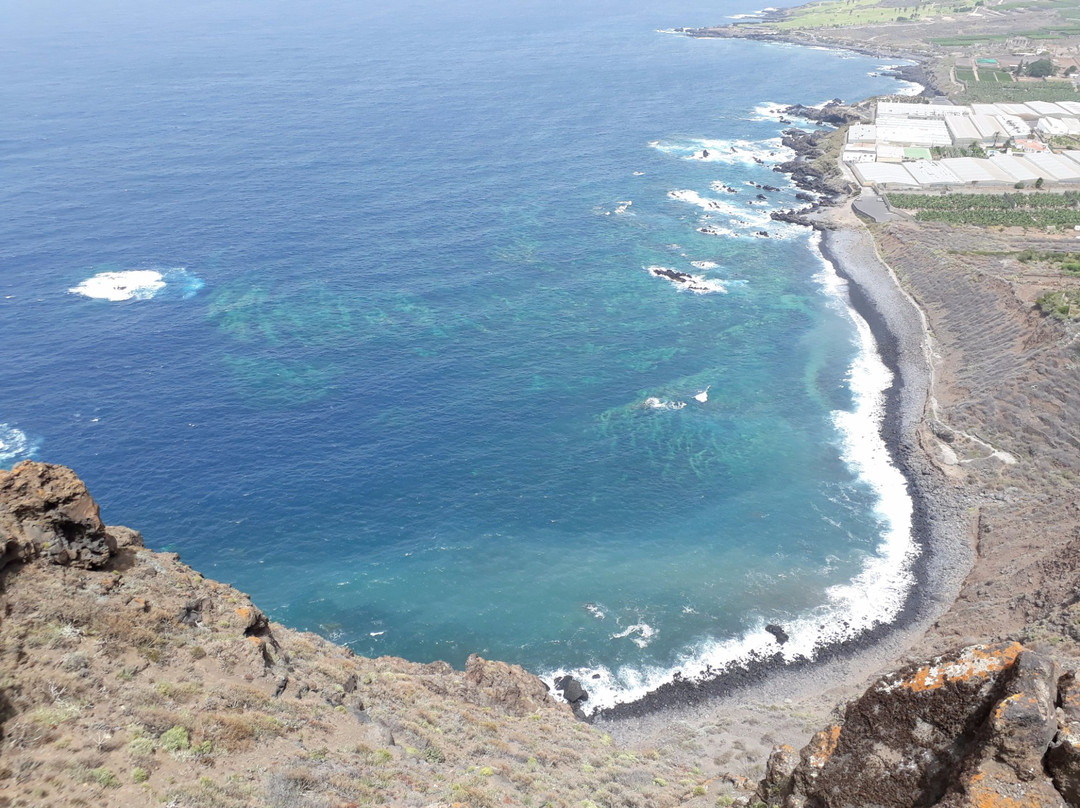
{"points": [[403, 373]]}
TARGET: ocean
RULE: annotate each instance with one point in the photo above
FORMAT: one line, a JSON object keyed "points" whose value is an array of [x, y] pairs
{"points": [[450, 327]]}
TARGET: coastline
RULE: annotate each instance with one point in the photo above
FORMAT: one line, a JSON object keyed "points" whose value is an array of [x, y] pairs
{"points": [[767, 692]]}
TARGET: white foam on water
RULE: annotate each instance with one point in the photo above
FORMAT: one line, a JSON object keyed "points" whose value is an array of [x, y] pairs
{"points": [[703, 396], [875, 596], [704, 264], [768, 111], [694, 283], [15, 446], [654, 403], [703, 202], [138, 284], [716, 230], [133, 284], [644, 633], [710, 150], [595, 610]]}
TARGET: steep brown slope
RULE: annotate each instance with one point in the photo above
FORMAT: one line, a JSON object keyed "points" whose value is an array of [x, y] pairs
{"points": [[128, 679], [1007, 382]]}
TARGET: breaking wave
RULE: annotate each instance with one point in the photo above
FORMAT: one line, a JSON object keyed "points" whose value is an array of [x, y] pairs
{"points": [[138, 284], [15, 446]]}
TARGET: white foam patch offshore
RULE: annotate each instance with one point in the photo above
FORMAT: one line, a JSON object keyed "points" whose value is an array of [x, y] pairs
{"points": [[15, 446], [138, 284], [641, 634], [874, 597], [750, 220], [704, 264], [654, 403], [703, 202], [710, 150], [695, 283]]}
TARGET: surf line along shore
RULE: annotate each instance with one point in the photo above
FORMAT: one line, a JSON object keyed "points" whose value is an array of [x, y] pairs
{"points": [[940, 525]]}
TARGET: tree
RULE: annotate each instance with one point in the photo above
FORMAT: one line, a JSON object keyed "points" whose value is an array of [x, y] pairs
{"points": [[1039, 183], [1041, 68]]}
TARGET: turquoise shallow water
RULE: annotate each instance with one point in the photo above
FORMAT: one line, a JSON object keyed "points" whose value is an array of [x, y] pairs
{"points": [[393, 359]]}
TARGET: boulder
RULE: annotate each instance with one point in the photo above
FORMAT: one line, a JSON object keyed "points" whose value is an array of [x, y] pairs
{"points": [[951, 732], [508, 687], [46, 512], [1063, 759]]}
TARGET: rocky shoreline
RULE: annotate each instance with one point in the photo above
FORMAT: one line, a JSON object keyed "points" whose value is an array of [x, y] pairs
{"points": [[940, 525]]}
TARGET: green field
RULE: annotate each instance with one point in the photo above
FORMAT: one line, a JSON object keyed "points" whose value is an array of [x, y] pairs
{"points": [[990, 75], [997, 210], [834, 13], [994, 92]]}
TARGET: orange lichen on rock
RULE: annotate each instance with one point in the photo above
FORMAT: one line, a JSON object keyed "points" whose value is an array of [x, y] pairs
{"points": [[979, 661], [822, 746], [984, 790]]}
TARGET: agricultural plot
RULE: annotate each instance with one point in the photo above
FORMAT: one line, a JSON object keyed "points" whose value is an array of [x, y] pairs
{"points": [[1016, 92], [994, 210], [834, 13]]}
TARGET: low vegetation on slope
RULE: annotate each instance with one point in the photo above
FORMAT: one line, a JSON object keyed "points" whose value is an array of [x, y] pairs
{"points": [[128, 679]]}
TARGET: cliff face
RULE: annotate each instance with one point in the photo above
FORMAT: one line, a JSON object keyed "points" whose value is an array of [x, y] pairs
{"points": [[127, 679], [990, 726]]}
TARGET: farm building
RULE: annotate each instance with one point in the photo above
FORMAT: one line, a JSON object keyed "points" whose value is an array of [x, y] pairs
{"points": [[963, 131], [1049, 127], [1016, 168], [901, 109], [972, 171], [884, 175], [932, 173], [913, 131], [890, 153], [1054, 167], [1046, 109]]}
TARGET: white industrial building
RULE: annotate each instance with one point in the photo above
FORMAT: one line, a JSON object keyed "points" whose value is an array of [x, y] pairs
{"points": [[894, 151], [1018, 169], [1054, 167], [931, 173], [963, 131], [973, 171], [884, 175]]}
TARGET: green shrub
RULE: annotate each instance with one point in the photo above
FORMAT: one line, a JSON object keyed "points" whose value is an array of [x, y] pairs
{"points": [[175, 739]]}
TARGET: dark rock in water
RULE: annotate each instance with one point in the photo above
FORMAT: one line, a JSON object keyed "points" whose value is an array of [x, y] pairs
{"points": [[46, 511], [763, 233], [965, 729], [571, 690], [835, 113], [704, 153], [671, 274], [781, 635], [762, 196], [769, 188], [803, 197]]}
